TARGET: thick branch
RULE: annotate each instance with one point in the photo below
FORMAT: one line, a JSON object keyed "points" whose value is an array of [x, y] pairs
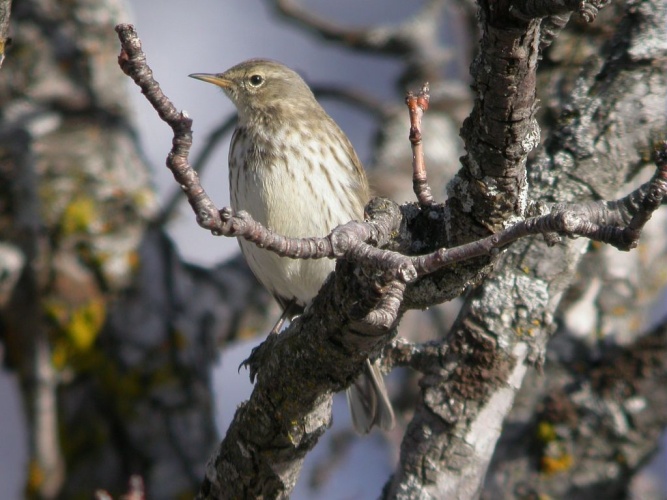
{"points": [[506, 322], [612, 401], [290, 407], [501, 130]]}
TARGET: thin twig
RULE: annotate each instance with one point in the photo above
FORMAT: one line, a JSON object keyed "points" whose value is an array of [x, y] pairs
{"points": [[417, 105], [132, 61], [199, 164]]}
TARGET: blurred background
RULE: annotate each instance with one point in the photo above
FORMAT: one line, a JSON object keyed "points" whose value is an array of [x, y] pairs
{"points": [[363, 92]]}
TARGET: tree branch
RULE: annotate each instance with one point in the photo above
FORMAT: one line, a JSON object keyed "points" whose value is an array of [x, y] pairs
{"points": [[271, 433], [417, 105], [505, 322]]}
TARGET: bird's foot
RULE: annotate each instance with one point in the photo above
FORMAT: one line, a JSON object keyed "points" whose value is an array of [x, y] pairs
{"points": [[257, 355]]}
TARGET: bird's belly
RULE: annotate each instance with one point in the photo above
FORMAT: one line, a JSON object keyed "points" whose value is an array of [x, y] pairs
{"points": [[284, 277], [294, 206]]}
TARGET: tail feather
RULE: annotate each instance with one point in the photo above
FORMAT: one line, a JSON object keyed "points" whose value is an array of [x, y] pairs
{"points": [[368, 401]]}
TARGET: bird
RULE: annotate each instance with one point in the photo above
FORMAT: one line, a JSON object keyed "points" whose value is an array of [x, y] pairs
{"points": [[296, 172]]}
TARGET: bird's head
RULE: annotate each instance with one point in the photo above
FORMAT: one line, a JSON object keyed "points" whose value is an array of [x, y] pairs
{"points": [[260, 87]]}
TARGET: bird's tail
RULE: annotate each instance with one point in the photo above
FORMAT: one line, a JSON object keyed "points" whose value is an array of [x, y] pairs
{"points": [[368, 401]]}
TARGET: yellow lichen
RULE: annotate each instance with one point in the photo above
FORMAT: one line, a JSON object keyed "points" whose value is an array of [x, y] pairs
{"points": [[75, 330], [35, 478], [55, 310], [79, 215], [554, 465], [546, 432], [133, 260], [59, 354], [85, 324], [619, 310]]}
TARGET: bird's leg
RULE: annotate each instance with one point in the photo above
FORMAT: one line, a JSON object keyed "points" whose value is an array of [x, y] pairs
{"points": [[291, 309]]}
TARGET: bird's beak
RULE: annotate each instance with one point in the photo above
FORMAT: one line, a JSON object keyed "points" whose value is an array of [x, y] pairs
{"points": [[214, 79]]}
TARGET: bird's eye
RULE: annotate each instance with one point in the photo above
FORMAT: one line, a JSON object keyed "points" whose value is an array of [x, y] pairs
{"points": [[256, 80]]}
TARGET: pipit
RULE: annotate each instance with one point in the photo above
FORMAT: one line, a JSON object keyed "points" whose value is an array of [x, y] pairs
{"points": [[295, 171]]}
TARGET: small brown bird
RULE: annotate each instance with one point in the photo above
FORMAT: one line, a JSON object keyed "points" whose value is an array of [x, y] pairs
{"points": [[295, 171]]}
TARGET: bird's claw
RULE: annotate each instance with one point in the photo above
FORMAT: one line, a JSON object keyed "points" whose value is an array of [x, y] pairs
{"points": [[256, 358]]}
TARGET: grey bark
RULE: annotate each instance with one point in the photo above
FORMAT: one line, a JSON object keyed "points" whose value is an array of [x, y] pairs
{"points": [[114, 335]]}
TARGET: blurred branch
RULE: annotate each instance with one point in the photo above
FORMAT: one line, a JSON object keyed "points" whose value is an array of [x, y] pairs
{"points": [[398, 40], [5, 41], [416, 40], [613, 402], [355, 98]]}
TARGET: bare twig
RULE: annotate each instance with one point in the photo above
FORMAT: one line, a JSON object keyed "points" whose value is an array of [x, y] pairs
{"points": [[417, 105], [551, 28], [132, 61], [655, 191], [211, 142]]}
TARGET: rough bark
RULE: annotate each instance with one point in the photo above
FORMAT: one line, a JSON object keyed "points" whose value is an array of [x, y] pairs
{"points": [[113, 336], [506, 322]]}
